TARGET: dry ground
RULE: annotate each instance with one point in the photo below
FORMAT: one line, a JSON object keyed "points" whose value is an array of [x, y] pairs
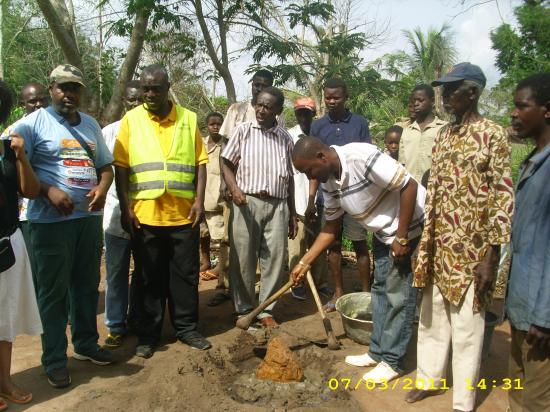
{"points": [[178, 378]]}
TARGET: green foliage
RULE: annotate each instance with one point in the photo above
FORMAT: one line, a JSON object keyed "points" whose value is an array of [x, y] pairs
{"points": [[17, 113], [524, 51], [519, 154]]}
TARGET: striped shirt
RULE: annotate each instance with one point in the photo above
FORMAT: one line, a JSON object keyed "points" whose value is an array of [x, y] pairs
{"points": [[369, 190], [263, 159]]}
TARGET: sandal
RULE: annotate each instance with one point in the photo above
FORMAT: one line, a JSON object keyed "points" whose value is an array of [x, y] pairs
{"points": [[218, 299], [208, 275], [20, 401], [329, 307], [3, 405]]}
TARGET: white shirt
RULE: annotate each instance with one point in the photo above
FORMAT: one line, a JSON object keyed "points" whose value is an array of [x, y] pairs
{"points": [[111, 212], [369, 191], [301, 182]]}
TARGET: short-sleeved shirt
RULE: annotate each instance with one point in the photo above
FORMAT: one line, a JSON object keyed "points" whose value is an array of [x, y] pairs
{"points": [[111, 211], [263, 157], [58, 160], [353, 128], [166, 210], [240, 113], [369, 191], [415, 147], [213, 201]]}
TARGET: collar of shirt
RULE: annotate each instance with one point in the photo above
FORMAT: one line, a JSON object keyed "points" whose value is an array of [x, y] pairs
{"points": [[344, 170], [207, 140], [532, 162], [274, 129], [434, 123], [171, 118], [345, 119]]}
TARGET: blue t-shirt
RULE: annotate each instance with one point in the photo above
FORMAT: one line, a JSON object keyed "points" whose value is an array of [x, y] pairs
{"points": [[353, 128], [58, 160]]}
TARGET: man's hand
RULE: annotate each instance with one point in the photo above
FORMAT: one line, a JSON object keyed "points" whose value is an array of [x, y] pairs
{"points": [[538, 337], [311, 212], [225, 193], [238, 196], [399, 252], [196, 214], [60, 200], [98, 196], [484, 273], [17, 145], [130, 222], [298, 273], [292, 226]]}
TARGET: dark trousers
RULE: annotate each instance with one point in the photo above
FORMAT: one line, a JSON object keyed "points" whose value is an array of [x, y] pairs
{"points": [[170, 269], [67, 258]]}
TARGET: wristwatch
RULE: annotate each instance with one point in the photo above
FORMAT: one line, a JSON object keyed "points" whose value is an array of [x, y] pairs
{"points": [[403, 241]]}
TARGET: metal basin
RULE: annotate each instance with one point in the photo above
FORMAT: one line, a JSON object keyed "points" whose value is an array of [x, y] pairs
{"points": [[356, 312]]}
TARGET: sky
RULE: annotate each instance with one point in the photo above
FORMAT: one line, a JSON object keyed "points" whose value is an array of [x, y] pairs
{"points": [[471, 29]]}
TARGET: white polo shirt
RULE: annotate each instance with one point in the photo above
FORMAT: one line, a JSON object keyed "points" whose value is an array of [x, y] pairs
{"points": [[369, 191]]}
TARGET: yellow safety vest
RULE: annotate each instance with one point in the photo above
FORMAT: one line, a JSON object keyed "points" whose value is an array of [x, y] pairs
{"points": [[151, 172]]}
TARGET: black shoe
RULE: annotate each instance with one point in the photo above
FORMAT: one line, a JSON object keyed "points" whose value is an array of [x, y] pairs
{"points": [[196, 341], [144, 351], [99, 357], [59, 377]]}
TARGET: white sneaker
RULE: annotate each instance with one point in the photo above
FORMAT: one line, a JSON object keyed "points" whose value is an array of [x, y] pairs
{"points": [[383, 373], [361, 360]]}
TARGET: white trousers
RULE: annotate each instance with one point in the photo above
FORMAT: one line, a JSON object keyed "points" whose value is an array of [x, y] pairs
{"points": [[444, 326]]}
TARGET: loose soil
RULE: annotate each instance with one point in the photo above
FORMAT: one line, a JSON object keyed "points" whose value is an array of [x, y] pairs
{"points": [[178, 378]]}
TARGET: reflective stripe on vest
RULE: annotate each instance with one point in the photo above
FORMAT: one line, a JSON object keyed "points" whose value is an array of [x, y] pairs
{"points": [[152, 173]]}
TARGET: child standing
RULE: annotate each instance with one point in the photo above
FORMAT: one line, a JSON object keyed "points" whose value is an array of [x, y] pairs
{"points": [[213, 229]]}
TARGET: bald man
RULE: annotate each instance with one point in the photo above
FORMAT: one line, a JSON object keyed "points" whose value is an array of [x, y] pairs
{"points": [[379, 194], [33, 97]]}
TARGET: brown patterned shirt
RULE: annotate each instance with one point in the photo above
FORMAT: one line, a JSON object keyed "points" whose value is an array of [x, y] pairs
{"points": [[469, 206]]}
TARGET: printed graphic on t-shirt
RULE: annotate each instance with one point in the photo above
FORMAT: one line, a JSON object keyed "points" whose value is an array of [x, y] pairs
{"points": [[79, 169]]}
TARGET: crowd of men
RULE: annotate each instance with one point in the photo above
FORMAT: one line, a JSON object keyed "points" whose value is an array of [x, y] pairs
{"points": [[438, 199]]}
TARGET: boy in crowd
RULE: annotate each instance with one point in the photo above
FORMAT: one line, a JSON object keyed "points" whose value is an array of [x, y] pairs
{"points": [[391, 141], [213, 227], [415, 147], [308, 229]]}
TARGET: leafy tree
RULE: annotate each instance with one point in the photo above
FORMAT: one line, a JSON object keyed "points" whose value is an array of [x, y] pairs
{"points": [[433, 55], [525, 50]]}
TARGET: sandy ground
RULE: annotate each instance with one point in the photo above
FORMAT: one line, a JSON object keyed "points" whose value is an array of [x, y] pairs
{"points": [[178, 378]]}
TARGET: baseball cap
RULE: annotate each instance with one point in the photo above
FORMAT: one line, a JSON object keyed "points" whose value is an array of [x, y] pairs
{"points": [[304, 103], [67, 73], [463, 71]]}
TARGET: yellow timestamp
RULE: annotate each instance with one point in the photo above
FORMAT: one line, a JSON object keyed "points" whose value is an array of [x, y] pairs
{"points": [[505, 384], [405, 384]]}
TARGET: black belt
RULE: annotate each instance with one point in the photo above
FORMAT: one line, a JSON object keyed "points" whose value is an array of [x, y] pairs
{"points": [[264, 194]]}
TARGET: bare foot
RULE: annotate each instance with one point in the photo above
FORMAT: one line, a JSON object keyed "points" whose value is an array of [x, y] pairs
{"points": [[15, 394]]}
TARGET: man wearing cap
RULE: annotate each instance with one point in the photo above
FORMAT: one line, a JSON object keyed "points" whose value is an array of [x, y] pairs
{"points": [[70, 158], [468, 217], [304, 109]]}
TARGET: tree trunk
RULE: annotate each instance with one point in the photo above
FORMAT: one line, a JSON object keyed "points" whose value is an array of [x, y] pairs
{"points": [[221, 66], [1, 38], [57, 15], [113, 110]]}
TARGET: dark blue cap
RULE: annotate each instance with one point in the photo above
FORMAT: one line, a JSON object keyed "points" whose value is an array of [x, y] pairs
{"points": [[462, 71]]}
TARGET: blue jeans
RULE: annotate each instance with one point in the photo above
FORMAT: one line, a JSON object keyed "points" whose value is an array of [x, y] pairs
{"points": [[117, 261], [393, 307]]}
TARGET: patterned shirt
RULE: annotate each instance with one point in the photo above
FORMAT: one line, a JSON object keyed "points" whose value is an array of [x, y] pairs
{"points": [[263, 158], [369, 191], [469, 206]]}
